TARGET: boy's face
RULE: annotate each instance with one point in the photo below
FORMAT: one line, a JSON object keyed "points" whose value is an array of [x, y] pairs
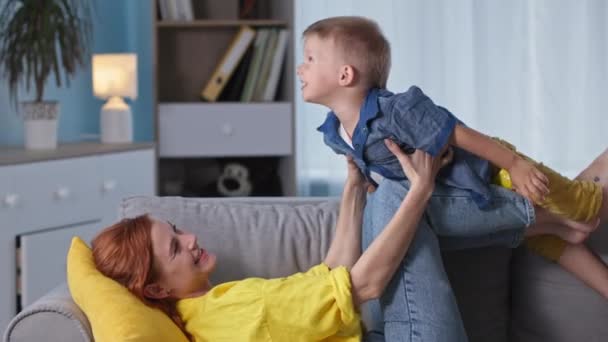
{"points": [[319, 73]]}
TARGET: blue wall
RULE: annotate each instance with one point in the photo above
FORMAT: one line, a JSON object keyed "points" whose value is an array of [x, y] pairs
{"points": [[119, 26]]}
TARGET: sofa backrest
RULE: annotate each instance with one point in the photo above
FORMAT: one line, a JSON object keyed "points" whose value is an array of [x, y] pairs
{"points": [[252, 237]]}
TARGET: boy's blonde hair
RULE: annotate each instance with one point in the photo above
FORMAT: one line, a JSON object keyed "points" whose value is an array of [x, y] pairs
{"points": [[361, 42]]}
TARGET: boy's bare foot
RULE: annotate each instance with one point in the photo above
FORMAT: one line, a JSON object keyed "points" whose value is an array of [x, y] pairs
{"points": [[585, 227], [544, 216], [575, 237], [563, 232]]}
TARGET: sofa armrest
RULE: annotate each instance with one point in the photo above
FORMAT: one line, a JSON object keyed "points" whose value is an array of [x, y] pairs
{"points": [[54, 317]]}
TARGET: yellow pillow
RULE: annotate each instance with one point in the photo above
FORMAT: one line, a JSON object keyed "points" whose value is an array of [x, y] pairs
{"points": [[114, 313]]}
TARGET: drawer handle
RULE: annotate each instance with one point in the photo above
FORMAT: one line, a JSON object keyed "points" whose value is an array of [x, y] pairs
{"points": [[109, 185], [62, 193], [11, 200], [227, 129]]}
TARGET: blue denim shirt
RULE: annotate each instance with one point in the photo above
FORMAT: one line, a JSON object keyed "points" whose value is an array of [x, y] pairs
{"points": [[413, 121]]}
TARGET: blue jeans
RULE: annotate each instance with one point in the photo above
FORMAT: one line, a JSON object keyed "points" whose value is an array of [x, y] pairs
{"points": [[418, 304]]}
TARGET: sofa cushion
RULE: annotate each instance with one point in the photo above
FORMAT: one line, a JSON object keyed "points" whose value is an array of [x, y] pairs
{"points": [[114, 313], [550, 304], [480, 280]]}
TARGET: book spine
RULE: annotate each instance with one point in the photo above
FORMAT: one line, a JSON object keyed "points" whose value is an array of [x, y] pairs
{"points": [[254, 69], [260, 84], [228, 63], [277, 64]]}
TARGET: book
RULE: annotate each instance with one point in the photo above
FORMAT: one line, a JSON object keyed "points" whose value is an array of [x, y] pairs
{"points": [[234, 88], [254, 69], [164, 9], [228, 63], [260, 84], [276, 66], [172, 9], [184, 10]]}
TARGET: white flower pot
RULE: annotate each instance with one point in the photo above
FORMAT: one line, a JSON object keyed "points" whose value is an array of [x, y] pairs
{"points": [[40, 124]]}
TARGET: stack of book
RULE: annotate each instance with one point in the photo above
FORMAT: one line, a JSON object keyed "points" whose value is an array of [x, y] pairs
{"points": [[176, 10], [251, 68]]}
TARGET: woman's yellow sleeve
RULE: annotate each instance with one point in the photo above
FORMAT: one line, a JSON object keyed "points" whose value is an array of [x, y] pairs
{"points": [[317, 304]]}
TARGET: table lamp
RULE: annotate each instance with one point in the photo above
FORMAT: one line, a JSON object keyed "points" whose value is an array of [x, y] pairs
{"points": [[115, 77]]}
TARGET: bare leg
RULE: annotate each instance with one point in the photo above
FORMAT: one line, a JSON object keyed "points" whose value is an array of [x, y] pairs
{"points": [[545, 217], [564, 232], [597, 172], [578, 259], [586, 266]]}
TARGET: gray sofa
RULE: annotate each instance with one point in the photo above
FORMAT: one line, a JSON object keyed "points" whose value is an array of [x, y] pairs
{"points": [[504, 295]]}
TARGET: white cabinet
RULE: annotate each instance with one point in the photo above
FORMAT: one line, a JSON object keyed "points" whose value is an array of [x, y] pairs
{"points": [[9, 199], [125, 174], [52, 192], [46, 197], [41, 267]]}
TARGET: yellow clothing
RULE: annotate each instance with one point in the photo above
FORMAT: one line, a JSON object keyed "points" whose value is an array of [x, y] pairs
{"points": [[574, 199], [312, 306]]}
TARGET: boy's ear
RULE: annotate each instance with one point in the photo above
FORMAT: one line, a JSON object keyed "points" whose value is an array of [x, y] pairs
{"points": [[347, 75], [155, 291]]}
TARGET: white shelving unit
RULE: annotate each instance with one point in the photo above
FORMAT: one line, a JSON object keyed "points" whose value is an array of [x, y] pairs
{"points": [[192, 131]]}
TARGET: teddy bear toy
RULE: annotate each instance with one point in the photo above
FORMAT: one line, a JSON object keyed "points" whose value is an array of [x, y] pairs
{"points": [[234, 181]]}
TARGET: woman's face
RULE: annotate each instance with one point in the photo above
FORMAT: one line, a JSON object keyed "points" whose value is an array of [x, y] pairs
{"points": [[181, 265]]}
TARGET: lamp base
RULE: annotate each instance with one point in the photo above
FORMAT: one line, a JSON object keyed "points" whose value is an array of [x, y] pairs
{"points": [[116, 122]]}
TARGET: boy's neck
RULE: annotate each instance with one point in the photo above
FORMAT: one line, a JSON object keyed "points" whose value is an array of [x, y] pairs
{"points": [[347, 108]]}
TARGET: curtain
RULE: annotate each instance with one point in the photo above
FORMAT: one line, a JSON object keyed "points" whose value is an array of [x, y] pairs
{"points": [[534, 72]]}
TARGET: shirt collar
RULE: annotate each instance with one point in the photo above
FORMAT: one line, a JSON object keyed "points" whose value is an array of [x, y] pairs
{"points": [[369, 110]]}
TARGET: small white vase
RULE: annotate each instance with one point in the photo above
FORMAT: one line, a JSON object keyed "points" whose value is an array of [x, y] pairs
{"points": [[40, 124]]}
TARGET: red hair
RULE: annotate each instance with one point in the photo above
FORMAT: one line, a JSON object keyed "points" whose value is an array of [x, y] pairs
{"points": [[123, 252]]}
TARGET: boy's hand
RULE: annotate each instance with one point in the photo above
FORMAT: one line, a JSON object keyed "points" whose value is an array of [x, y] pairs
{"points": [[528, 180], [354, 177]]}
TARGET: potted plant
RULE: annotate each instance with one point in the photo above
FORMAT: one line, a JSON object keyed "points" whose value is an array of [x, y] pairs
{"points": [[37, 38]]}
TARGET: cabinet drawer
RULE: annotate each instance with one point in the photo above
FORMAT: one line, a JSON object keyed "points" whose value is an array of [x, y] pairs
{"points": [[9, 200], [232, 129], [57, 193], [125, 174]]}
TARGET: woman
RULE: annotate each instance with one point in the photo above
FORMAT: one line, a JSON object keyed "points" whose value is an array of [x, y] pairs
{"points": [[166, 268]]}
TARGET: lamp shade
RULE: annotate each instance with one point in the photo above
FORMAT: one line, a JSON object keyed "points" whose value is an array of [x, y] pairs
{"points": [[115, 75]]}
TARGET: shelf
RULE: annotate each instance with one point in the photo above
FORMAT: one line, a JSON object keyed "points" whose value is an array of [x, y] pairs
{"points": [[220, 23]]}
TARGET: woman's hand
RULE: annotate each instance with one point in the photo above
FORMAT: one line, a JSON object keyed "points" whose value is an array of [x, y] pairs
{"points": [[420, 167], [354, 178]]}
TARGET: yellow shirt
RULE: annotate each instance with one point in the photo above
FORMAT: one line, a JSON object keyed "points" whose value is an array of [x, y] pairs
{"points": [[312, 306]]}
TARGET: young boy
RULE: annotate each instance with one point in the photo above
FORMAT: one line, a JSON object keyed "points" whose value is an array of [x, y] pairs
{"points": [[346, 66]]}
